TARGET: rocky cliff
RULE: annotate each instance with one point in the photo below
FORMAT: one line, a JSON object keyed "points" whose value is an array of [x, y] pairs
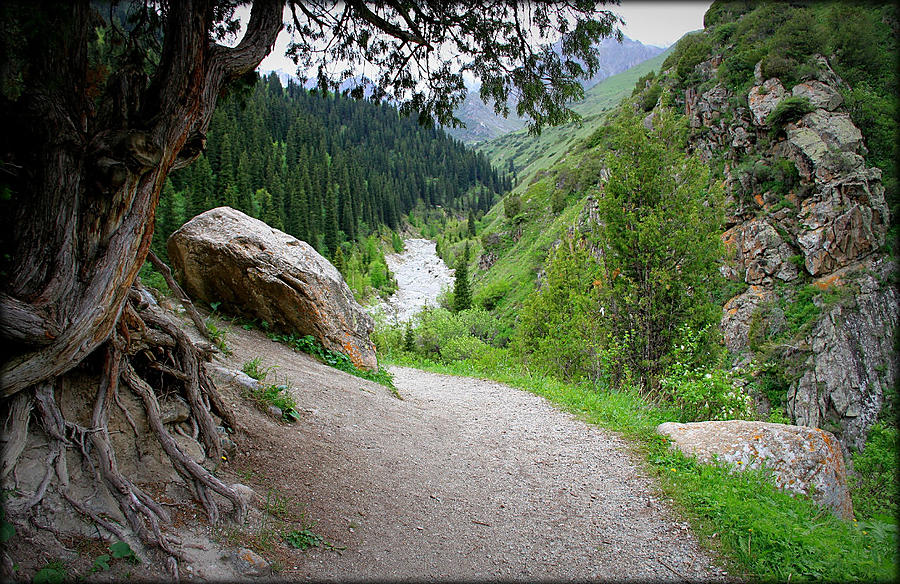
{"points": [[815, 308]]}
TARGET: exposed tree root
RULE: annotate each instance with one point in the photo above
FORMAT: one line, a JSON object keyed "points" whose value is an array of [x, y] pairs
{"points": [[150, 355]]}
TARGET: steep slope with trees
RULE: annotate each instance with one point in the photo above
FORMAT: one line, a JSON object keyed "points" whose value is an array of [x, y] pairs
{"points": [[794, 112]]}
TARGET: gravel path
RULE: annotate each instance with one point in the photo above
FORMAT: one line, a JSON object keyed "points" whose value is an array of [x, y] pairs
{"points": [[463, 479], [466, 479]]}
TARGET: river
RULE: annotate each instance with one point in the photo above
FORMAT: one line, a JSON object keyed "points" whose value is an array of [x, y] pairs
{"points": [[421, 275]]}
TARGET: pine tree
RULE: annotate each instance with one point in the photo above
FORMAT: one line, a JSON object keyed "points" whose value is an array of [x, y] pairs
{"points": [[408, 340], [471, 224], [462, 296], [338, 261]]}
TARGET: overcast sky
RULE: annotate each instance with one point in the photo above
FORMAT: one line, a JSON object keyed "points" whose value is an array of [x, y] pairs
{"points": [[660, 23], [651, 22]]}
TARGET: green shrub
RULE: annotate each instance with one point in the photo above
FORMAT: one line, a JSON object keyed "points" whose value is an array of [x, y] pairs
{"points": [[701, 392], [490, 295], [438, 332], [558, 330], [512, 205], [789, 109], [690, 51], [873, 484], [462, 347], [649, 97]]}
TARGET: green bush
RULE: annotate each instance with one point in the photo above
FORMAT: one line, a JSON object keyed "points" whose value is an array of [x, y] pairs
{"points": [[649, 97], [558, 330], [690, 51], [512, 205], [462, 347], [490, 295], [440, 334], [873, 484], [701, 392], [789, 109]]}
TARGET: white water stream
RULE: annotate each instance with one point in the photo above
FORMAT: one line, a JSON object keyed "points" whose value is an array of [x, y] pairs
{"points": [[421, 275]]}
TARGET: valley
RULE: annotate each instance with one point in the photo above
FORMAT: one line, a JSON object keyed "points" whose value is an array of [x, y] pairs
{"points": [[255, 328]]}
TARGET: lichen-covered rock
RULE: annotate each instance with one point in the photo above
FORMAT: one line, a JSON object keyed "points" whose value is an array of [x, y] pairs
{"points": [[250, 564], [852, 361], [225, 256], [802, 459], [764, 98], [819, 95], [825, 145], [761, 253], [842, 222], [737, 314]]}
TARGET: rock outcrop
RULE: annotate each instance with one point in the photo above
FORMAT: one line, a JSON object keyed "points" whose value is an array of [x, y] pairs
{"points": [[803, 208], [851, 363], [802, 459], [225, 256]]}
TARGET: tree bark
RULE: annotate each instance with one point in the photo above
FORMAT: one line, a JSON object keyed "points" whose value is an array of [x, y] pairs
{"points": [[84, 158], [93, 176]]}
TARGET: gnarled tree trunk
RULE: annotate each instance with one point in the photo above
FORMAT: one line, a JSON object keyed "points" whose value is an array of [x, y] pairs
{"points": [[84, 160]]}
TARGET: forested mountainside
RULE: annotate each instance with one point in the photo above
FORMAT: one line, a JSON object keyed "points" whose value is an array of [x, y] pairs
{"points": [[792, 108], [481, 123], [325, 169]]}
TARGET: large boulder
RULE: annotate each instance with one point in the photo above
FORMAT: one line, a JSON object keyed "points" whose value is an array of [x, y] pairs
{"points": [[225, 256], [842, 222], [760, 252], [819, 95], [737, 314], [825, 145], [802, 460]]}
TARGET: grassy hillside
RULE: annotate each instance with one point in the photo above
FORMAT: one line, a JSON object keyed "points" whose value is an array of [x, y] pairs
{"points": [[530, 153], [551, 169]]}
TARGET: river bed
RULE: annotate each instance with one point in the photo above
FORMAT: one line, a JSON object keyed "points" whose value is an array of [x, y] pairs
{"points": [[421, 276]]}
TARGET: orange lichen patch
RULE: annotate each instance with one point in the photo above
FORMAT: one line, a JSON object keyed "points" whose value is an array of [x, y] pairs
{"points": [[351, 351], [759, 199], [828, 281], [728, 238], [756, 290]]}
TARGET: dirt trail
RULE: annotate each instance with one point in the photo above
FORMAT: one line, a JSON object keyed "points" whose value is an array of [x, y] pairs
{"points": [[462, 479]]}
